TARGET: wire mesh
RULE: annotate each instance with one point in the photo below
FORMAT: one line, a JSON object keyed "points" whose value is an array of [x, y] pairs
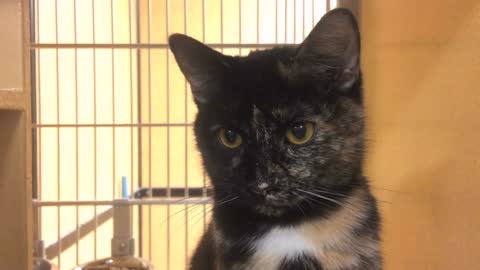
{"points": [[110, 101]]}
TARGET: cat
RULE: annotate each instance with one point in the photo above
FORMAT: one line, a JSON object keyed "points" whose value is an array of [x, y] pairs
{"points": [[281, 135]]}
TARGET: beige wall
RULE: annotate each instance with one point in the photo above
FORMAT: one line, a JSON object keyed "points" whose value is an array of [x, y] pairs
{"points": [[11, 45], [422, 68], [14, 240]]}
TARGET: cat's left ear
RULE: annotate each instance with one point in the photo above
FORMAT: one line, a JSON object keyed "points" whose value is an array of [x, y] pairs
{"points": [[334, 43]]}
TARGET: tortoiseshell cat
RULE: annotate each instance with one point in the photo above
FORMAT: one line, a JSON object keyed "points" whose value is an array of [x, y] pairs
{"points": [[281, 133]]}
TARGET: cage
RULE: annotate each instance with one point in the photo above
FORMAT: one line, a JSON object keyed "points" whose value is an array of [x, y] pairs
{"points": [[109, 102]]}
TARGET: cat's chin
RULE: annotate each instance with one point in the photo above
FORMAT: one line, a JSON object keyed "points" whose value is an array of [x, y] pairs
{"points": [[270, 210]]}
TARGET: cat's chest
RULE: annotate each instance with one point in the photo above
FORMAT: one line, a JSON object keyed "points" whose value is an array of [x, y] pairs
{"points": [[280, 245], [309, 245]]}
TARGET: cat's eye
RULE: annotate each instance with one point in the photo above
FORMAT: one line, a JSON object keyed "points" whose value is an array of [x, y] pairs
{"points": [[230, 138], [300, 132]]}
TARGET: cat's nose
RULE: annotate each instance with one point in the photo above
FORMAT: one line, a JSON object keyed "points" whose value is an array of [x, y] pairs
{"points": [[263, 185], [265, 188]]}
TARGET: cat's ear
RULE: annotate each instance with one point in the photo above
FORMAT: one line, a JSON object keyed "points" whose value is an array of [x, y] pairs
{"points": [[334, 43], [202, 66]]}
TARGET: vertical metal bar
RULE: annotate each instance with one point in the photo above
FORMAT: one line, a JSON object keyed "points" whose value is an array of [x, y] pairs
{"points": [[94, 130], [186, 143], [328, 5], [276, 21], [33, 86], [240, 24], [59, 236], [77, 186], [167, 11], [37, 24], [313, 13], [131, 92], [33, 101], [139, 120], [203, 169], [286, 28], [295, 22], [303, 19], [258, 22], [38, 120], [37, 221], [131, 100], [149, 7], [112, 29], [221, 24]]}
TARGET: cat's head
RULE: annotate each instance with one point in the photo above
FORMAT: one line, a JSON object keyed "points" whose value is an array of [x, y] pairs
{"points": [[279, 125]]}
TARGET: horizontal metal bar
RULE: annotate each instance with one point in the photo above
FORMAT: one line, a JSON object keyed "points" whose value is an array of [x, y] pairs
{"points": [[182, 192], [145, 45], [167, 201], [113, 125]]}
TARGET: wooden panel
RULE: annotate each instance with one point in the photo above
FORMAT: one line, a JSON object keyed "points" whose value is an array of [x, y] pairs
{"points": [[421, 65], [12, 100], [14, 239], [15, 139], [11, 45]]}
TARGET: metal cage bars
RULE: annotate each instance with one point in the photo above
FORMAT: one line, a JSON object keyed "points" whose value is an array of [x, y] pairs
{"points": [[136, 126]]}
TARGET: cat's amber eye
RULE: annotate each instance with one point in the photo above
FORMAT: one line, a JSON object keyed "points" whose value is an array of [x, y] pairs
{"points": [[230, 138], [300, 132]]}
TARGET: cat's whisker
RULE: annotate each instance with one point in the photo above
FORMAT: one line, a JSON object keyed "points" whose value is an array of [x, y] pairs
{"points": [[320, 196], [383, 201], [326, 199], [330, 192], [298, 205], [300, 208], [310, 200], [177, 212], [207, 212], [389, 190], [175, 215], [372, 186], [178, 226], [186, 210], [344, 195], [222, 202], [198, 216]]}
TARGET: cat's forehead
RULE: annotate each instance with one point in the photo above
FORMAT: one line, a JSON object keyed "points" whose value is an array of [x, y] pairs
{"points": [[265, 77], [280, 115]]}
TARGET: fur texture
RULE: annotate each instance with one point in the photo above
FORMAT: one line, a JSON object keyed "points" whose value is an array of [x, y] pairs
{"points": [[280, 205]]}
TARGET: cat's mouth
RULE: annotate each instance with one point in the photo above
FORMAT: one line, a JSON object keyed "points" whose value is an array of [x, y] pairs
{"points": [[270, 210], [272, 204]]}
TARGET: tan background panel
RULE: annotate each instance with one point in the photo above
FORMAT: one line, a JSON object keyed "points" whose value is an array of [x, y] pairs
{"points": [[11, 31], [13, 233], [422, 63]]}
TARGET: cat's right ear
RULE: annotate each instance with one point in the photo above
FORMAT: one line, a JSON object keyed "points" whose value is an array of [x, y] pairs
{"points": [[202, 66]]}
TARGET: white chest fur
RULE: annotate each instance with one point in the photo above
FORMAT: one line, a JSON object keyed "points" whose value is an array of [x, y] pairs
{"points": [[284, 243], [280, 244]]}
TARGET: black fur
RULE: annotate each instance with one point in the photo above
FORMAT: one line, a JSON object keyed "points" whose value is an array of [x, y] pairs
{"points": [[301, 263], [259, 97]]}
